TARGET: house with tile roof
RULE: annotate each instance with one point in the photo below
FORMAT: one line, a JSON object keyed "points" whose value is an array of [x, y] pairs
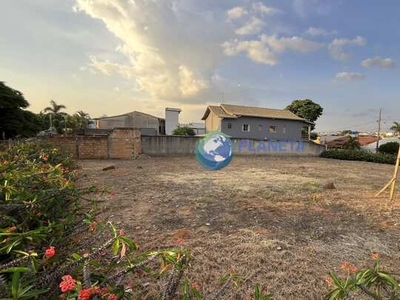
{"points": [[256, 122]]}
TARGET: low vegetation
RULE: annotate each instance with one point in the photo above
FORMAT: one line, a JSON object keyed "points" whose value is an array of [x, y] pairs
{"points": [[389, 148], [54, 245], [358, 155]]}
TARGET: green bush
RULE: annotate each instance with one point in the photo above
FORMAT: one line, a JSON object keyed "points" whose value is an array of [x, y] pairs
{"points": [[389, 148], [184, 130], [380, 158]]}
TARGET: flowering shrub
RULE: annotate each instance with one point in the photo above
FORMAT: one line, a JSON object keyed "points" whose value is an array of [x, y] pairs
{"points": [[43, 252], [373, 283]]}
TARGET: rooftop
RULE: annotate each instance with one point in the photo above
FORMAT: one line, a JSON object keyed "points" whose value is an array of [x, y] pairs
{"points": [[235, 111]]}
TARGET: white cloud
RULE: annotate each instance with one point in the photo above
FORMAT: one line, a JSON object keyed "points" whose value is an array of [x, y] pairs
{"points": [[337, 45], [260, 7], [253, 26], [108, 68], [318, 31], [255, 50], [267, 49], [169, 51], [349, 76], [295, 43], [190, 84], [378, 62], [235, 13]]}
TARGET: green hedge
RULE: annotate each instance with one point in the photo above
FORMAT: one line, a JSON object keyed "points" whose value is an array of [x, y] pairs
{"points": [[358, 155], [389, 148]]}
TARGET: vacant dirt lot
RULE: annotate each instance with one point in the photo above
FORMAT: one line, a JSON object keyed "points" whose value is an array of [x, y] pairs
{"points": [[272, 220]]}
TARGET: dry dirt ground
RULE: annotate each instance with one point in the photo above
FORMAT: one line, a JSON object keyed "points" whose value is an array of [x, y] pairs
{"points": [[270, 219]]}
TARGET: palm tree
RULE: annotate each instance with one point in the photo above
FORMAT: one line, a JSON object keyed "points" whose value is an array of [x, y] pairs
{"points": [[352, 144], [82, 118], [396, 128], [55, 113], [55, 108]]}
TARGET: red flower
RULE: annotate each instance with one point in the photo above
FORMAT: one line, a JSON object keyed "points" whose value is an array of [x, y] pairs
{"points": [[122, 232], [346, 266], [67, 284], [50, 252], [112, 297], [85, 294], [45, 158]]}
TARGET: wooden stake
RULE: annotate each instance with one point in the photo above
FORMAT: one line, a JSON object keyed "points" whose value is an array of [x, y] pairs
{"points": [[396, 173], [392, 181]]}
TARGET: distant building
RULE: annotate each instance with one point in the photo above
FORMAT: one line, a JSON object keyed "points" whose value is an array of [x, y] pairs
{"points": [[171, 119], [148, 124], [372, 146], [338, 143], [256, 122], [199, 128]]}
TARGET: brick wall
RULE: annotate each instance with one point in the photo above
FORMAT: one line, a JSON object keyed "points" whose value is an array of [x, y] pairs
{"points": [[121, 143], [92, 147]]}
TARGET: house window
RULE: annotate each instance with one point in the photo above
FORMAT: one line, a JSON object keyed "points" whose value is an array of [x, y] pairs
{"points": [[284, 130], [246, 127], [272, 129], [260, 127], [229, 125]]}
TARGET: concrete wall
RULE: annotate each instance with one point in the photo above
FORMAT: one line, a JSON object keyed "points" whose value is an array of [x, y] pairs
{"points": [[161, 145], [169, 145], [260, 128]]}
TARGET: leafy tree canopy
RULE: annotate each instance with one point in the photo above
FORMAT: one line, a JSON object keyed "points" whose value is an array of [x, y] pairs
{"points": [[396, 128], [306, 109], [14, 120], [10, 98], [184, 130]]}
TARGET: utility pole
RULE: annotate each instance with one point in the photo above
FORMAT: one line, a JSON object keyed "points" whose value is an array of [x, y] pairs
{"points": [[379, 130]]}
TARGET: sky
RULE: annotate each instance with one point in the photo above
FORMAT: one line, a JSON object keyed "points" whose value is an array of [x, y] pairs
{"points": [[109, 57]]}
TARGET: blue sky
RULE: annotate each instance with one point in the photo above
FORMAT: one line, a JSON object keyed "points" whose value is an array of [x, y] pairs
{"points": [[109, 57]]}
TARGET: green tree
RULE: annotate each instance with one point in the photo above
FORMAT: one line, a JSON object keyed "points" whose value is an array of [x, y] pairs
{"points": [[352, 144], [14, 120], [184, 130], [58, 117], [306, 109], [389, 148], [313, 136], [82, 118], [396, 128]]}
